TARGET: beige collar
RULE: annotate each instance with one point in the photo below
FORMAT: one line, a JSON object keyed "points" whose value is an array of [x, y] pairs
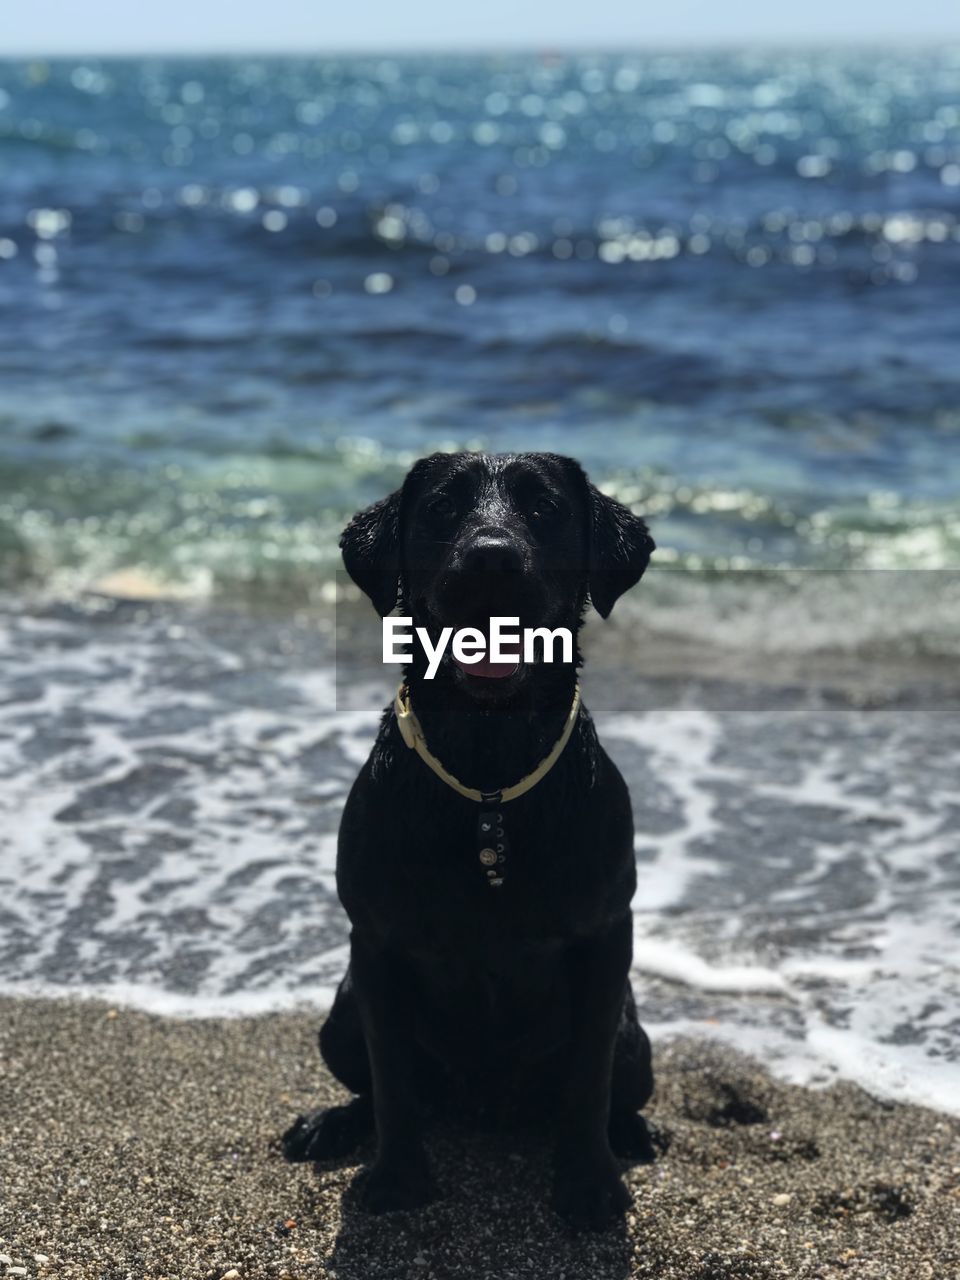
{"points": [[413, 736]]}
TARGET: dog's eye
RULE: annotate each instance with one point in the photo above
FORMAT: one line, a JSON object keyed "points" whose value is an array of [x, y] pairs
{"points": [[442, 507], [543, 508]]}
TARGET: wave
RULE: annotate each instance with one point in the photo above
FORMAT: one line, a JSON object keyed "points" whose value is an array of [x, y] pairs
{"points": [[878, 587]]}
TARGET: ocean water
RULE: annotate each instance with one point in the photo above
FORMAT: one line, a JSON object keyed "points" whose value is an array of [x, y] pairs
{"points": [[238, 297]]}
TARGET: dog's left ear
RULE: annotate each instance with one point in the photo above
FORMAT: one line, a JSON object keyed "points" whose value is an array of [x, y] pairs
{"points": [[619, 545], [371, 551], [620, 550]]}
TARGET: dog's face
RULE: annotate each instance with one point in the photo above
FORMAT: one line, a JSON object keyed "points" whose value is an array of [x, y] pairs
{"points": [[472, 536]]}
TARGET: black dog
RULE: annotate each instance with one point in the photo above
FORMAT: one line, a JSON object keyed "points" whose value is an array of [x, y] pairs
{"points": [[492, 935]]}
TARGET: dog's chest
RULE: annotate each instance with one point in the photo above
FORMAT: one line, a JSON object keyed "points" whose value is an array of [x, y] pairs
{"points": [[422, 872]]}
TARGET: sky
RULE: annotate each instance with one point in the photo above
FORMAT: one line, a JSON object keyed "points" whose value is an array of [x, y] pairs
{"points": [[133, 26]]}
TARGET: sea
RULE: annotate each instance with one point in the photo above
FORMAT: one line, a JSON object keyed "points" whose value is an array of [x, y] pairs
{"points": [[239, 296]]}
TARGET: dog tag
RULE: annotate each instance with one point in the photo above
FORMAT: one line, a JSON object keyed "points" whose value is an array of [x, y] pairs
{"points": [[491, 839]]}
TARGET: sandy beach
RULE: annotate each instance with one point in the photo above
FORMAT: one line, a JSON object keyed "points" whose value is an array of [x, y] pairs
{"points": [[140, 1146]]}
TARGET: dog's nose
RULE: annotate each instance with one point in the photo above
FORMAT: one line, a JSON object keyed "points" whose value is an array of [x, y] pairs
{"points": [[493, 555]]}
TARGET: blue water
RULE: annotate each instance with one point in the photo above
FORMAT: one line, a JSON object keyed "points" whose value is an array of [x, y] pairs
{"points": [[238, 296]]}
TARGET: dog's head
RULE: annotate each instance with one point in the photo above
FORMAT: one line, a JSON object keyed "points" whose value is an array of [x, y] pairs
{"points": [[470, 536]]}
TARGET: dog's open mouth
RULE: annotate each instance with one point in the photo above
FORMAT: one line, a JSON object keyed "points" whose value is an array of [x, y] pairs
{"points": [[488, 670], [485, 668]]}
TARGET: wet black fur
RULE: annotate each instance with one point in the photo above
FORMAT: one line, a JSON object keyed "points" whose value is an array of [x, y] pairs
{"points": [[512, 1003]]}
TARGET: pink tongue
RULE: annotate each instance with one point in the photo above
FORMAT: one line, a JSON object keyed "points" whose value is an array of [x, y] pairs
{"points": [[489, 670]]}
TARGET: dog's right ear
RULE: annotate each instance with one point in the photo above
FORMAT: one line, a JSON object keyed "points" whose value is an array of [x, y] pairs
{"points": [[372, 542], [371, 551]]}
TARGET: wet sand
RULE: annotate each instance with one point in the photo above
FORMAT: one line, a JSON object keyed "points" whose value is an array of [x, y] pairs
{"points": [[145, 1147]]}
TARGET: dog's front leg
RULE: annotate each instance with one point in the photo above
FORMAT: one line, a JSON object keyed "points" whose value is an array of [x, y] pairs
{"points": [[400, 1177], [588, 1190]]}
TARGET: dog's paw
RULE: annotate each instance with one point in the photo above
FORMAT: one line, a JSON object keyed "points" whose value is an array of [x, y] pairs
{"points": [[329, 1133], [396, 1185], [590, 1195], [634, 1138]]}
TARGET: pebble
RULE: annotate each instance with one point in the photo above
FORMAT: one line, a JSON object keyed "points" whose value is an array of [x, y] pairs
{"points": [[783, 1198], [42, 1258], [5, 1260], [232, 1274]]}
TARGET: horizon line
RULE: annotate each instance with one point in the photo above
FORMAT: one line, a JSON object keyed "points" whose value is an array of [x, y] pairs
{"points": [[563, 49]]}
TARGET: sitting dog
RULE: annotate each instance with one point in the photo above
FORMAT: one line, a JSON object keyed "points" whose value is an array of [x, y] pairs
{"points": [[486, 855]]}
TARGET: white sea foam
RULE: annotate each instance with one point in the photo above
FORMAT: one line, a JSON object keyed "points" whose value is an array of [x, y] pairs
{"points": [[668, 960]]}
